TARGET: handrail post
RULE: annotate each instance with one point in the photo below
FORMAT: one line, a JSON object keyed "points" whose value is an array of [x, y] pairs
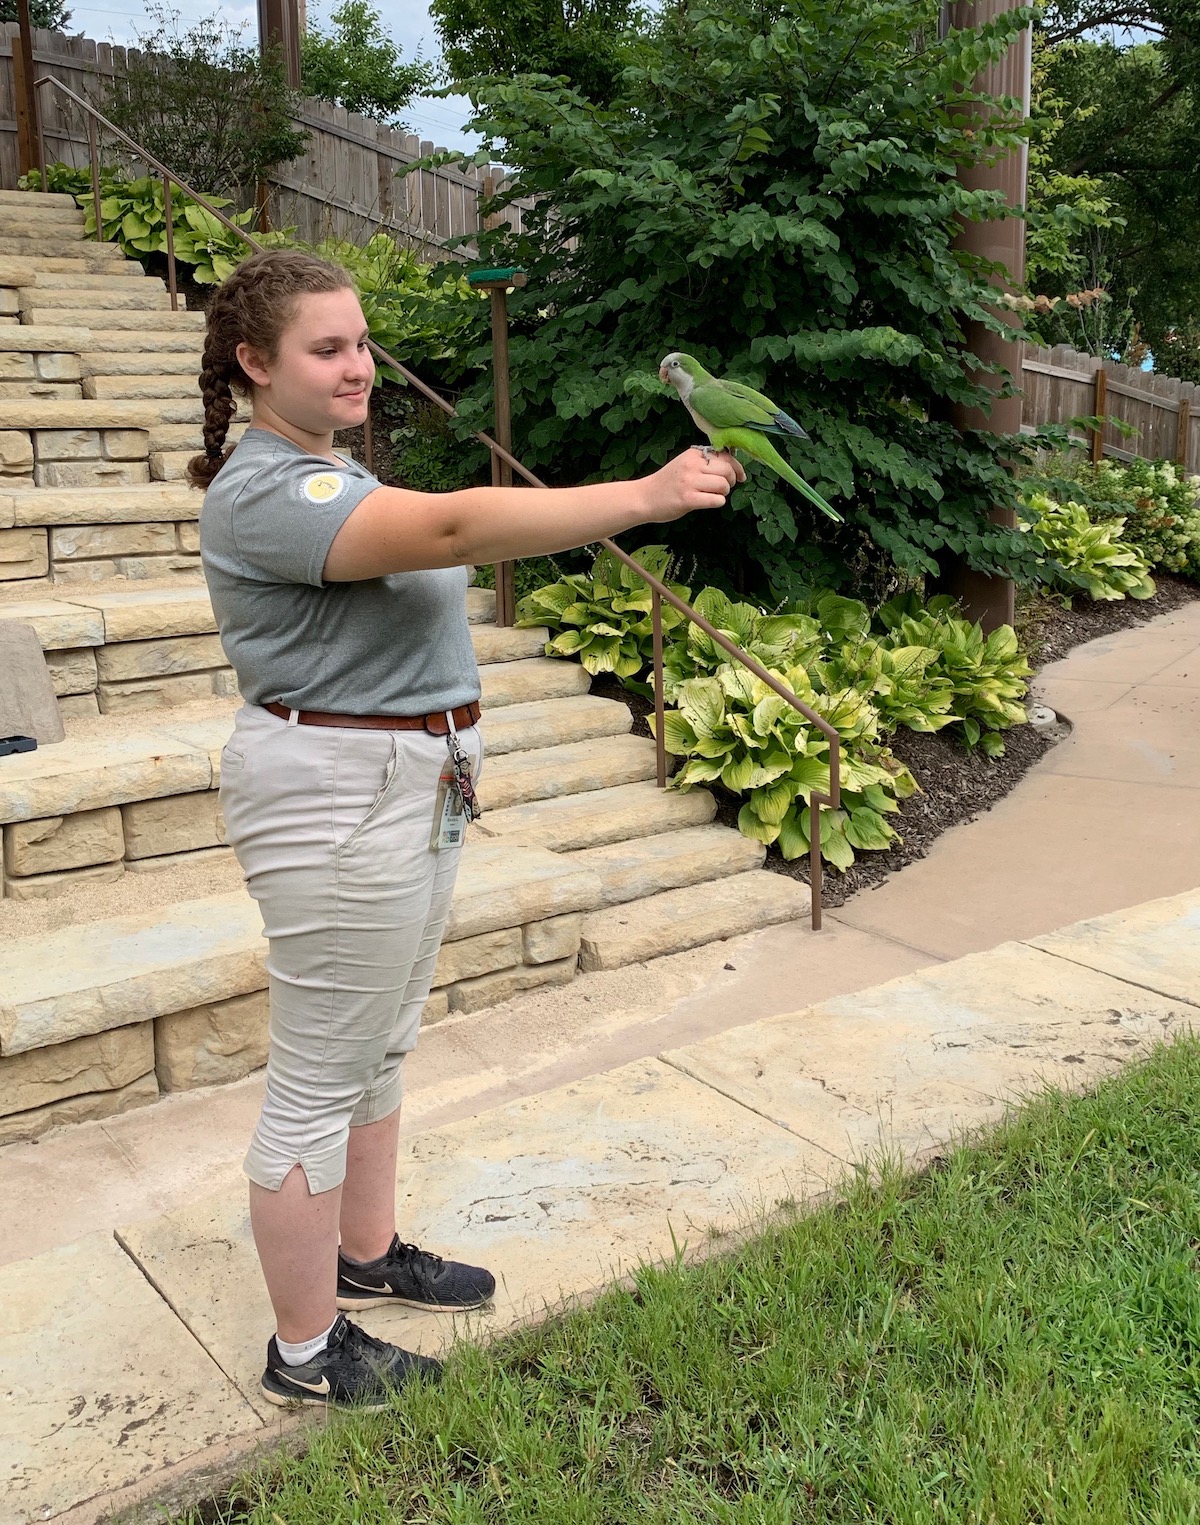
{"points": [[170, 242], [815, 870], [94, 157], [660, 738]]}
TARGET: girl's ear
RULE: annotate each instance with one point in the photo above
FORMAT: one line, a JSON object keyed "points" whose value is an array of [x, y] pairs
{"points": [[252, 364]]}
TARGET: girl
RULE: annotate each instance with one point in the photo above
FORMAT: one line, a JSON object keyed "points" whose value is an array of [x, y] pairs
{"points": [[341, 605]]}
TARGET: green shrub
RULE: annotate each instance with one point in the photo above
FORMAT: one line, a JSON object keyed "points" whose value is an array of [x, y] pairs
{"points": [[773, 189], [603, 617], [733, 728], [218, 112], [1159, 503], [919, 666], [1082, 554], [133, 214], [986, 674]]}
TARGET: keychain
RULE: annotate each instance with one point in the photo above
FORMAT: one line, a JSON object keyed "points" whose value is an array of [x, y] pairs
{"points": [[457, 802]]}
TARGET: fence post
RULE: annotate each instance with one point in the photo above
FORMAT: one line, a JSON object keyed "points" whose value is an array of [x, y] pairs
{"points": [[1181, 431], [28, 121], [1099, 404]]}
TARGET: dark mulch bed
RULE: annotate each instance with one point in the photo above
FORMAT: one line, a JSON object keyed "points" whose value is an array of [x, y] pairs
{"points": [[956, 785], [1048, 631]]}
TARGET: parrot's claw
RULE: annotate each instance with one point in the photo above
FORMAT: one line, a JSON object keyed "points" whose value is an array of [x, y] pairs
{"points": [[706, 451]]}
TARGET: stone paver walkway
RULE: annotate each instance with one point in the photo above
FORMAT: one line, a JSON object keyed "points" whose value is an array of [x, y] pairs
{"points": [[561, 1142]]}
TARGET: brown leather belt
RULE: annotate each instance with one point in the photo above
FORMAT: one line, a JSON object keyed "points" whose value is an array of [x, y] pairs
{"points": [[464, 715]]}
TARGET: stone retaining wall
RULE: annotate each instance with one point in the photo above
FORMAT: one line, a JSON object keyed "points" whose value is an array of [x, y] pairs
{"points": [[105, 1073], [88, 553]]}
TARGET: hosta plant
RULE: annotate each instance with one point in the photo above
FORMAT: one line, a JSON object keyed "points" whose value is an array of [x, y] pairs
{"points": [[986, 674], [733, 728], [1082, 554], [603, 616], [1159, 503]]}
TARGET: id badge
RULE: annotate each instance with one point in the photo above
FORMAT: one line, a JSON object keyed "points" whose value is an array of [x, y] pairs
{"points": [[449, 817]]}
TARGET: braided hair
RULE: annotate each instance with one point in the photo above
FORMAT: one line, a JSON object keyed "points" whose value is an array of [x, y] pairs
{"points": [[252, 306]]}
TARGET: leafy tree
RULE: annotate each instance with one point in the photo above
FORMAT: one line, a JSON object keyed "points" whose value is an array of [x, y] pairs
{"points": [[776, 193], [358, 66], [582, 41], [51, 14], [214, 110]]}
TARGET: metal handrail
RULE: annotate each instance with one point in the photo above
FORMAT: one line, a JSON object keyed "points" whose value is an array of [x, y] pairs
{"points": [[659, 590]]}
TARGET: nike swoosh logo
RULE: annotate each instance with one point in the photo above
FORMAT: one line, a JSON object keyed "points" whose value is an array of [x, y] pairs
{"points": [[363, 1287], [321, 1387]]}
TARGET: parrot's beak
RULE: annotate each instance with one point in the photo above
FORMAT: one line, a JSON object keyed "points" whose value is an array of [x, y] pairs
{"points": [[662, 373]]}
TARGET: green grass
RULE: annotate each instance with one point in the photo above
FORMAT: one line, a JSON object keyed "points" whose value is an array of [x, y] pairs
{"points": [[1012, 1338]]}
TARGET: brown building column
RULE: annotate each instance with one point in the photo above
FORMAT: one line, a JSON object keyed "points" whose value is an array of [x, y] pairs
{"points": [[279, 22], [991, 599]]}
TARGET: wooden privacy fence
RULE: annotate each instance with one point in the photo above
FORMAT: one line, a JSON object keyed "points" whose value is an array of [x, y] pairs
{"points": [[1060, 384], [344, 185]]}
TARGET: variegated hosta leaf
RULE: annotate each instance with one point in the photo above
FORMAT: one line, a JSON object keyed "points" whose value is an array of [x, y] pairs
{"points": [[751, 826], [697, 770], [703, 703], [809, 773], [771, 804], [678, 736], [793, 840]]}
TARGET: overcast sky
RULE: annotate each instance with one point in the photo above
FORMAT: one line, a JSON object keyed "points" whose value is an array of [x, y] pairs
{"points": [[408, 20]]}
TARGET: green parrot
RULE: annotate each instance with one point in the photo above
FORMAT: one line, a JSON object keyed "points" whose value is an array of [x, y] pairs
{"points": [[735, 417]]}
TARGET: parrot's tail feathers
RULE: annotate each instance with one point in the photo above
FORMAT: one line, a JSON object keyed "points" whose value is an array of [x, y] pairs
{"points": [[815, 498], [786, 424]]}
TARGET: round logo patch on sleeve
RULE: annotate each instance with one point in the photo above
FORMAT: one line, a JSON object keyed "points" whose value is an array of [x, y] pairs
{"points": [[323, 486]]}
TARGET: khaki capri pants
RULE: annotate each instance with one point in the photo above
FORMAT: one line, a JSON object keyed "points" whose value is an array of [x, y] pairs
{"points": [[332, 829]]}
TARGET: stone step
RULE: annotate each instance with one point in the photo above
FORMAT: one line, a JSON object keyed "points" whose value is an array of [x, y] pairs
{"points": [[142, 386], [552, 723], [574, 768], [96, 767], [84, 259], [58, 200], [99, 316], [107, 413], [141, 503], [143, 342], [498, 644], [104, 616], [171, 362], [648, 865], [129, 273], [146, 296], [57, 339], [679, 919], [92, 977], [600, 816], [531, 678], [38, 213], [41, 243]]}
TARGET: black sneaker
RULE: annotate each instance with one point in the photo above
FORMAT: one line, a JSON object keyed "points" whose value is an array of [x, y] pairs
{"points": [[353, 1369], [414, 1278]]}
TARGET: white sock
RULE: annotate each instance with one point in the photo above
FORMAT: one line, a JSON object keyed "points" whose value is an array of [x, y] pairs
{"points": [[296, 1355]]}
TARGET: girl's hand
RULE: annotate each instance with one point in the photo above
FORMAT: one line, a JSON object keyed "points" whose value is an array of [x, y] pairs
{"points": [[699, 478]]}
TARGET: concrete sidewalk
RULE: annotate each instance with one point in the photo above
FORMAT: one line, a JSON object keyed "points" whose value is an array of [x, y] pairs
{"points": [[125, 1354], [565, 1135]]}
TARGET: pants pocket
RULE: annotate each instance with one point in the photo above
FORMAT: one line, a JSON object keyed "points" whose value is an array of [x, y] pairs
{"points": [[354, 804]]}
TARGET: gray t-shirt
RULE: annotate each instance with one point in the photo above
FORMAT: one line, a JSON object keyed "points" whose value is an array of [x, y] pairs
{"points": [[394, 645]]}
